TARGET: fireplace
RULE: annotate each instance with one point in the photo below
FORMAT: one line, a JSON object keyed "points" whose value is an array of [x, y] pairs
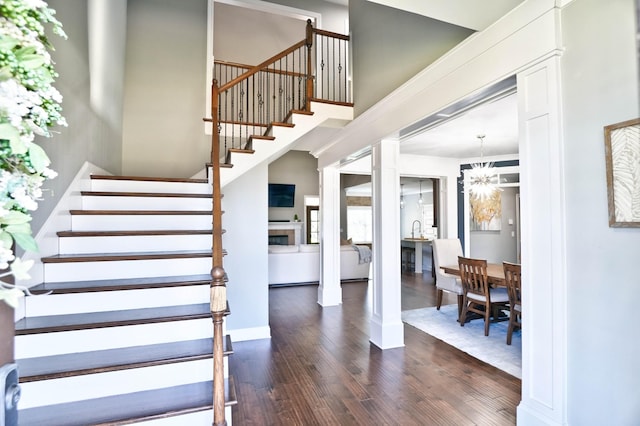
{"points": [[291, 230], [278, 240]]}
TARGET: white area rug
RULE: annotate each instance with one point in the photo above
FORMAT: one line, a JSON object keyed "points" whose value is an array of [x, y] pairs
{"points": [[492, 349]]}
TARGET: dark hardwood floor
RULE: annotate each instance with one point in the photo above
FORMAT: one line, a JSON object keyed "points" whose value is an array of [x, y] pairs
{"points": [[319, 368]]}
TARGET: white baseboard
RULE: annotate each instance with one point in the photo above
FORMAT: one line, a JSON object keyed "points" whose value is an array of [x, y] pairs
{"points": [[255, 333]]}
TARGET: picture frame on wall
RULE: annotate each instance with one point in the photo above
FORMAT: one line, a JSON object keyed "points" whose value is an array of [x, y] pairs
{"points": [[622, 155]]}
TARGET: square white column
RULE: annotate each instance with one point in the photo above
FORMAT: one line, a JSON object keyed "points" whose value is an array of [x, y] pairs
{"points": [[387, 329]]}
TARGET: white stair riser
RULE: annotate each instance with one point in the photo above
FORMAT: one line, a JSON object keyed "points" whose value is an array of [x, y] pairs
{"points": [[109, 270], [78, 388], [200, 418], [45, 344], [139, 222], [105, 301], [134, 243], [149, 186], [99, 202]]}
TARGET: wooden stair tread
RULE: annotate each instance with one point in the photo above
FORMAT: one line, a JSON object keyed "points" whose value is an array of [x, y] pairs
{"points": [[140, 212], [148, 179], [108, 257], [129, 408], [278, 124], [76, 364], [143, 194], [241, 151], [263, 137], [134, 233], [120, 284], [302, 112], [55, 323]]}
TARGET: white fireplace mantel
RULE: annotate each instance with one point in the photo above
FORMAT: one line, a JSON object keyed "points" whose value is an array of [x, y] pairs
{"points": [[296, 227]]}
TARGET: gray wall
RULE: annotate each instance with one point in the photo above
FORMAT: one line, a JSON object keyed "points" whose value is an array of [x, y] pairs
{"points": [[600, 87], [390, 46], [334, 15], [301, 169], [165, 88], [91, 136], [269, 35]]}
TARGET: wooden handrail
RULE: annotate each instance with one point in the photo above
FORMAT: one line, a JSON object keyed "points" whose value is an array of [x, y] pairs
{"points": [[260, 66], [331, 34], [269, 70], [284, 83]]}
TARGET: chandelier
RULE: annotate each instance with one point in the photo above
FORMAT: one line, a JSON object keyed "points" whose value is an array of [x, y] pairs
{"points": [[483, 178]]}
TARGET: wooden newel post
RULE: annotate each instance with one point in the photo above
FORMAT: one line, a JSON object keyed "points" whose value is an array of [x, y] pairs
{"points": [[218, 290], [309, 44], [218, 308]]}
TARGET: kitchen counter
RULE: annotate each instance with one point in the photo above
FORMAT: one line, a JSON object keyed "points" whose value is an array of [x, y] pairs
{"points": [[418, 245]]}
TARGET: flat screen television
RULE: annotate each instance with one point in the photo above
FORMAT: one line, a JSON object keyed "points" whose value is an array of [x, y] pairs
{"points": [[281, 195]]}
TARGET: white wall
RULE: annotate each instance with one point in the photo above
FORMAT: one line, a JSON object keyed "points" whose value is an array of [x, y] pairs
{"points": [[600, 87], [447, 169], [245, 220]]}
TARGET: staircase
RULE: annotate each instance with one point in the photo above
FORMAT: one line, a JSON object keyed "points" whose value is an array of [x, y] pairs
{"points": [[132, 330], [125, 337]]}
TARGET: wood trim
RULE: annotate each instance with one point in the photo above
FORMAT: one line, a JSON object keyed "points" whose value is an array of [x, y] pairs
{"points": [[142, 194], [132, 233], [324, 101], [148, 179], [74, 258], [140, 212], [260, 66], [330, 34]]}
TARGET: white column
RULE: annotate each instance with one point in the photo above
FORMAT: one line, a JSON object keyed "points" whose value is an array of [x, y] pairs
{"points": [[387, 330], [544, 333], [329, 290]]}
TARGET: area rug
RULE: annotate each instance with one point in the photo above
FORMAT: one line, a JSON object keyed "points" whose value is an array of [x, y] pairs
{"points": [[491, 349]]}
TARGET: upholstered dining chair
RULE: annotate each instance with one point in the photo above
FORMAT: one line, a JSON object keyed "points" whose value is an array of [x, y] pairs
{"points": [[478, 296], [446, 252], [512, 280]]}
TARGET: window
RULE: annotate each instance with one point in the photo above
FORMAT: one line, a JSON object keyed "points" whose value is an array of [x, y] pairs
{"points": [[360, 224], [313, 224]]}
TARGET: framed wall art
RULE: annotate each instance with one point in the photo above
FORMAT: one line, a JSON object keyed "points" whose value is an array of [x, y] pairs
{"points": [[622, 152]]}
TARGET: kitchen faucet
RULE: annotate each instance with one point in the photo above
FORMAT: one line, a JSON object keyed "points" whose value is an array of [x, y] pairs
{"points": [[413, 225]]}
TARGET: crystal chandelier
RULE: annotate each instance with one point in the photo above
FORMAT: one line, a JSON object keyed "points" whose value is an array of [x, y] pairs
{"points": [[483, 178]]}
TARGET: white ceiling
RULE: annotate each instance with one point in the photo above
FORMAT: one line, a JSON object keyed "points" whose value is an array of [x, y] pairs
{"points": [[457, 137]]}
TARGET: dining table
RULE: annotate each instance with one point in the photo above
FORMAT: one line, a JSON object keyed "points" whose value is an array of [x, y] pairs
{"points": [[495, 273]]}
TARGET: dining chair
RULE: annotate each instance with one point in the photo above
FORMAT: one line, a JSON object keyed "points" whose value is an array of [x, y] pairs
{"points": [[512, 280], [478, 296], [446, 252]]}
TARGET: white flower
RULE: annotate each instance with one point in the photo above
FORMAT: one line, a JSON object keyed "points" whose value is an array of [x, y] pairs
{"points": [[6, 256]]}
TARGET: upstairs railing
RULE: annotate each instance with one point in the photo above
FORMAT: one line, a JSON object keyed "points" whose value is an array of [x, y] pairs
{"points": [[247, 102], [252, 98]]}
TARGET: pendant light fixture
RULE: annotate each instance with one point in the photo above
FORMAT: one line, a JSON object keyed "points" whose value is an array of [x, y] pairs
{"points": [[420, 202], [483, 178], [401, 196]]}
